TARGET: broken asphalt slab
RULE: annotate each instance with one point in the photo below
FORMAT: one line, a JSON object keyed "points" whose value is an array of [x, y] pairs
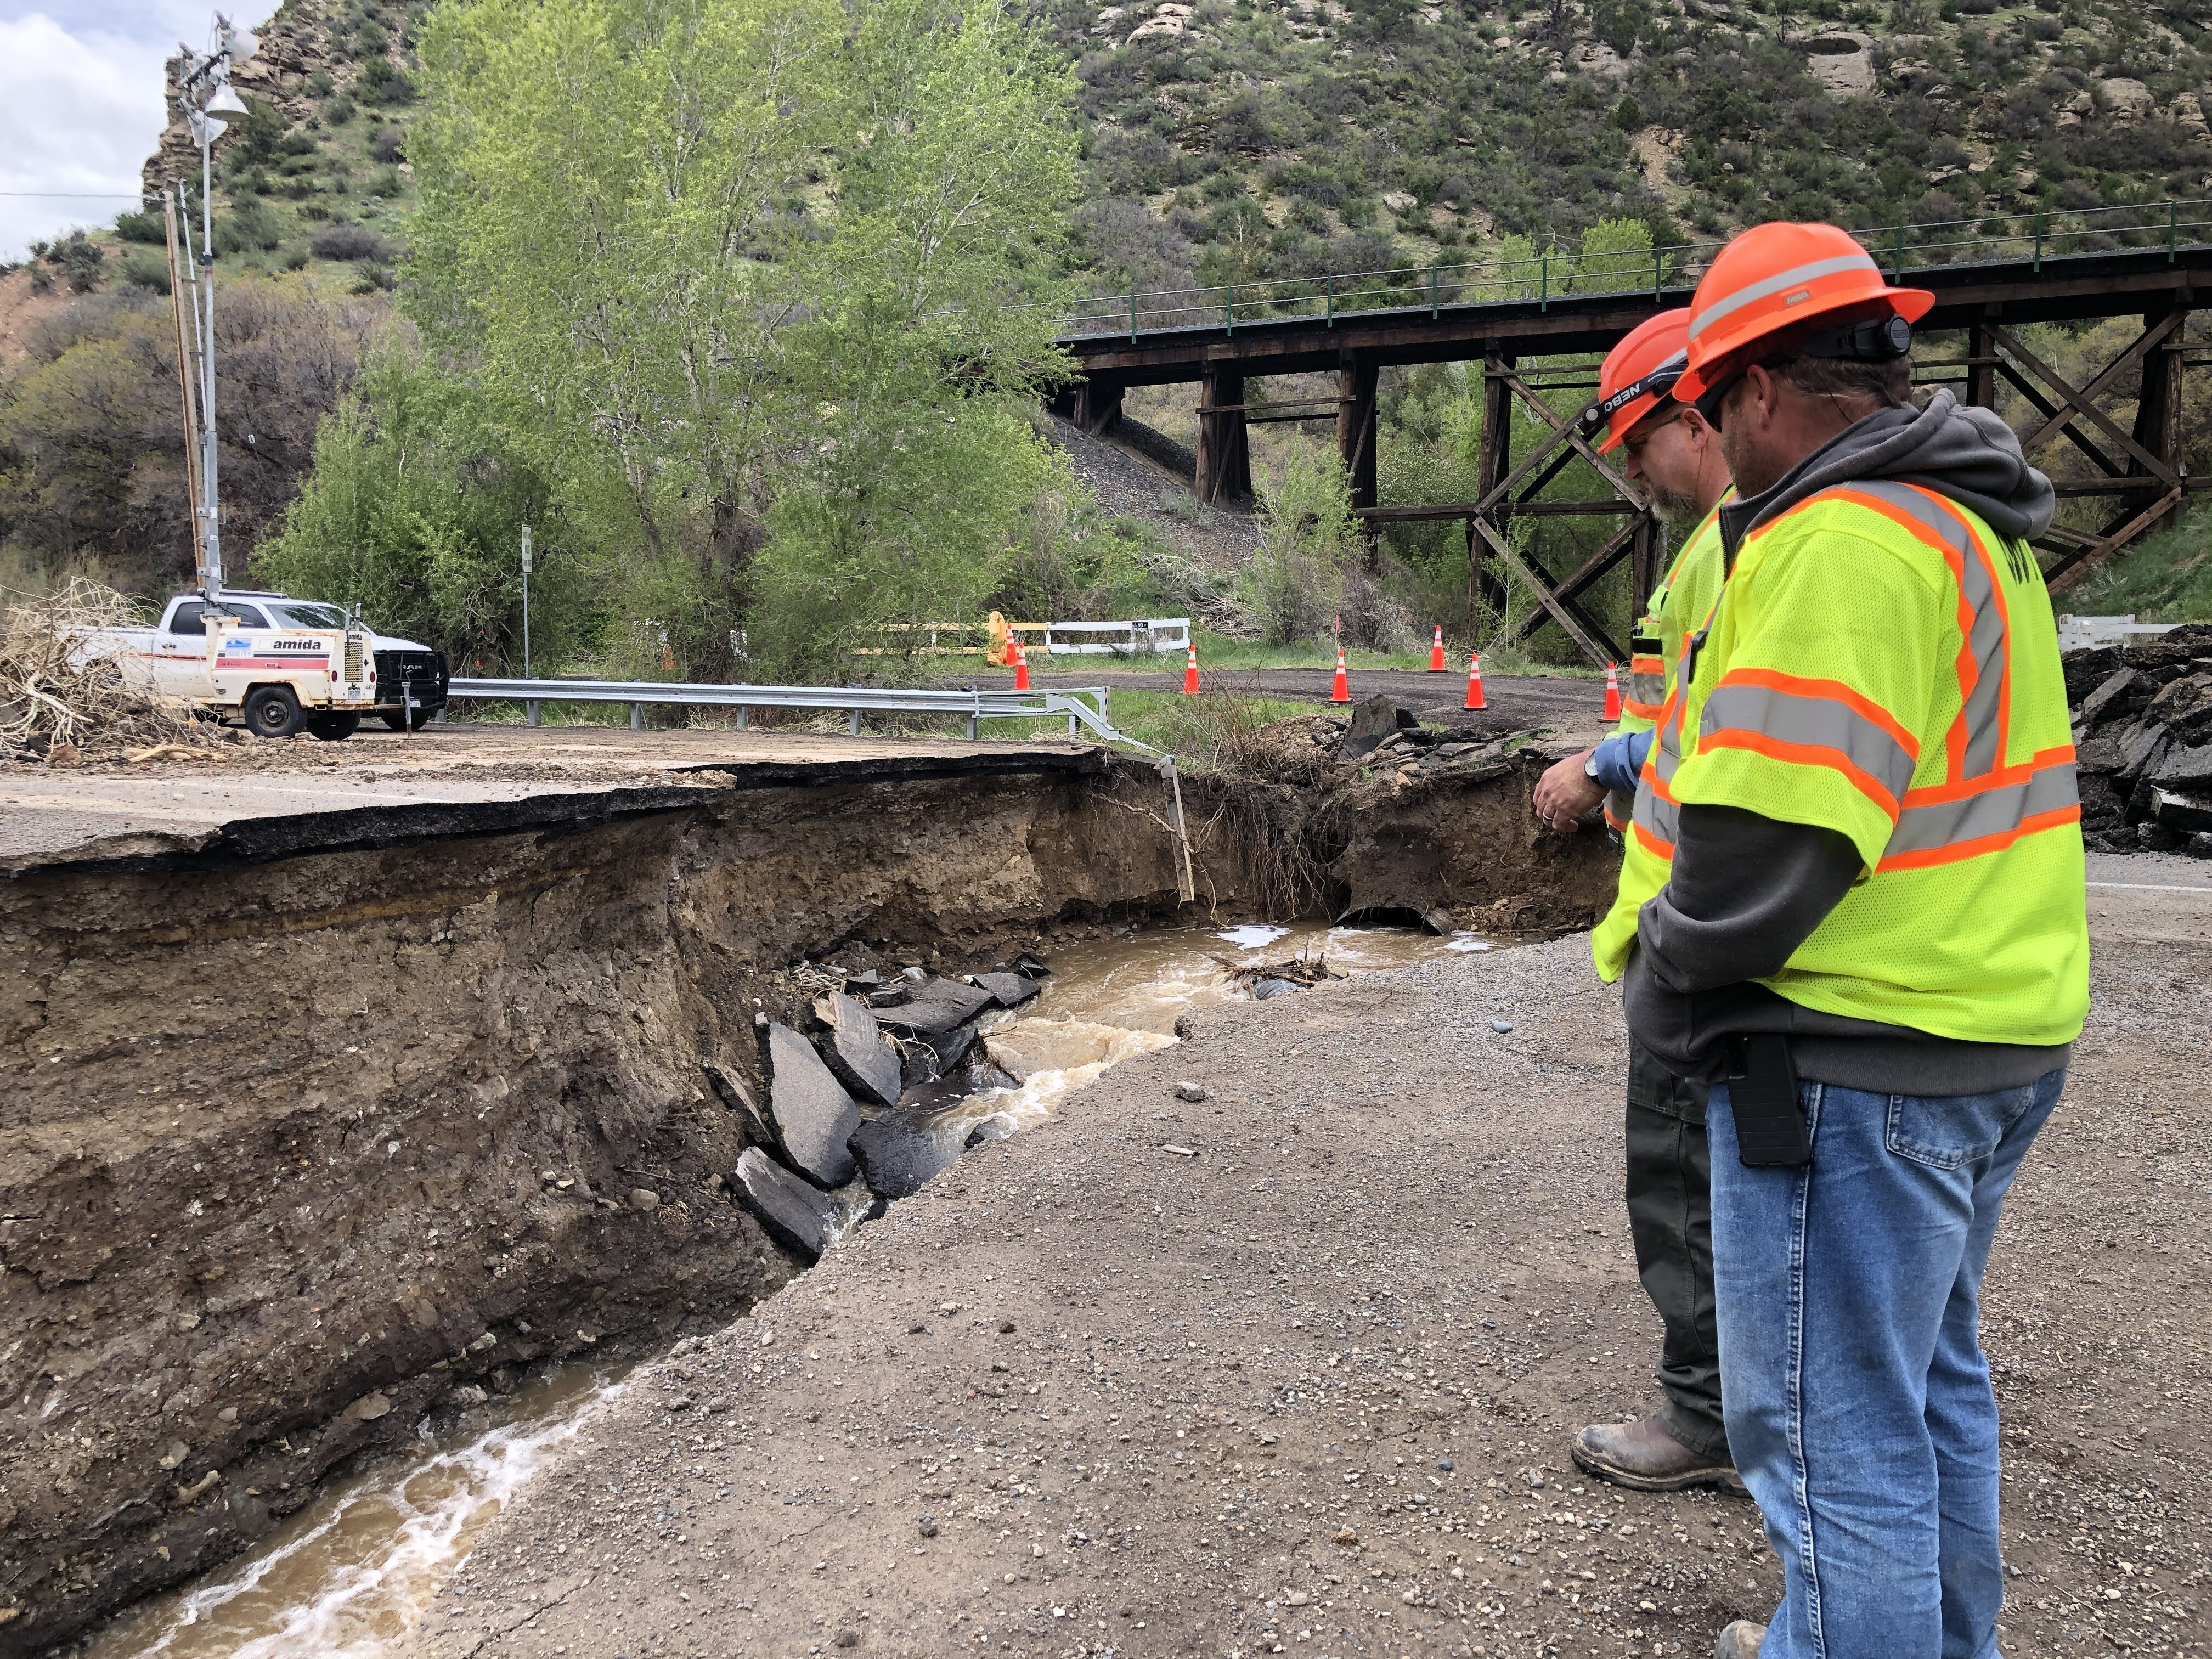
{"points": [[814, 1116]]}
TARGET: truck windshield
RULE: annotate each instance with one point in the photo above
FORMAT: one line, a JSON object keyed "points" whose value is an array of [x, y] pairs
{"points": [[293, 613]]}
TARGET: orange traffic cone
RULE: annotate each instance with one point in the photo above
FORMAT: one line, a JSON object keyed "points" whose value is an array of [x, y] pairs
{"points": [[1191, 672], [1021, 667], [1611, 692], [1437, 652], [1475, 681], [1341, 690]]}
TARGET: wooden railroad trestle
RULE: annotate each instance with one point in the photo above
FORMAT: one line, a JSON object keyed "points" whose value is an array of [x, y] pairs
{"points": [[2139, 468]]}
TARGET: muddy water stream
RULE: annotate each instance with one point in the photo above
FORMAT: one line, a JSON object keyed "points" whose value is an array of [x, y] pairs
{"points": [[349, 1574]]}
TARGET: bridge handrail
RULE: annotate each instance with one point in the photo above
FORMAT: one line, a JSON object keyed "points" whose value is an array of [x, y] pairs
{"points": [[1554, 274]]}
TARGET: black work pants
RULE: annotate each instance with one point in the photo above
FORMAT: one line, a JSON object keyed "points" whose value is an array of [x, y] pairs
{"points": [[1670, 1218]]}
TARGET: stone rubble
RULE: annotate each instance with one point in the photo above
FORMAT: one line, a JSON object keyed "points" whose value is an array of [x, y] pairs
{"points": [[2143, 735]]}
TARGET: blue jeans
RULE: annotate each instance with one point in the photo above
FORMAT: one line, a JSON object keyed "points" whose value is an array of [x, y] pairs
{"points": [[1857, 1400]]}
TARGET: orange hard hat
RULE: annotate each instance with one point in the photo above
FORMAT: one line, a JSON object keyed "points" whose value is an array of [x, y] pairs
{"points": [[1639, 374], [1778, 276]]}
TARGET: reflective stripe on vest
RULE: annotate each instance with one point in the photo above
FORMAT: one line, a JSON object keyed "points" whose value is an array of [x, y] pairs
{"points": [[1977, 738], [1647, 685], [1816, 723], [1978, 807], [1946, 823], [1655, 820]]}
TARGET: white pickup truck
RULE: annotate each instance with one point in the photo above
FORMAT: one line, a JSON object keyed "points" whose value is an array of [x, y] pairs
{"points": [[282, 664]]}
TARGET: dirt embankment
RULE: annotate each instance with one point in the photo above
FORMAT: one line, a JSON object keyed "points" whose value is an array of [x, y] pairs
{"points": [[297, 1151]]}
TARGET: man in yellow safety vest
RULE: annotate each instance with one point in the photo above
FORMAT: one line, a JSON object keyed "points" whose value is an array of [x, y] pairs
{"points": [[1852, 905], [1669, 449]]}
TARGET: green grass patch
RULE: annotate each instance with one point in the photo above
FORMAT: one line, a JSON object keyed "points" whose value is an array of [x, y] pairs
{"points": [[2163, 578]]}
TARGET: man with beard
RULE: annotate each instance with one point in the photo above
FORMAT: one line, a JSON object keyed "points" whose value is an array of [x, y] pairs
{"points": [[1851, 905], [1671, 451]]}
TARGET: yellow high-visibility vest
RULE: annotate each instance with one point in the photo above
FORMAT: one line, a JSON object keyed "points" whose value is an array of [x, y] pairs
{"points": [[1882, 664], [1678, 605]]}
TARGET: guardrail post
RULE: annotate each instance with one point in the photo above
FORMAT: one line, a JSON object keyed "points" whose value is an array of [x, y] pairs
{"points": [[1132, 316], [1432, 293], [637, 717], [1229, 305], [852, 722], [530, 711], [1544, 277], [2038, 244], [745, 718], [1330, 291], [2173, 231], [1897, 263], [1656, 290]]}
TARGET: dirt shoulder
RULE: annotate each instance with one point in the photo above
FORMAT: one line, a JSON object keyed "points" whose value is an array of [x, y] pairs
{"points": [[1296, 1367]]}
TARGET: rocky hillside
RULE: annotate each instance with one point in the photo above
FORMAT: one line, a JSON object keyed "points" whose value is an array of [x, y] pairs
{"points": [[1287, 137], [316, 176], [1230, 142]]}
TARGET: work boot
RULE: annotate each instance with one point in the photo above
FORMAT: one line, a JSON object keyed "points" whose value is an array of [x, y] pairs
{"points": [[1740, 1640], [1643, 1457]]}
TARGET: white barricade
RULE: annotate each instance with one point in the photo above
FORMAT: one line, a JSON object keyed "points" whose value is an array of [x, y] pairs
{"points": [[1156, 635]]}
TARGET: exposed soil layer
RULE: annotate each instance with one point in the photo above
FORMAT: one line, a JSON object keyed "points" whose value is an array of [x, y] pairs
{"points": [[294, 1150], [301, 1147], [1297, 1366]]}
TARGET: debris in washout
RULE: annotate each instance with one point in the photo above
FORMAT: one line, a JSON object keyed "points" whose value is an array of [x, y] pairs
{"points": [[856, 1051], [813, 1114], [63, 695], [796, 1214], [2143, 727]]}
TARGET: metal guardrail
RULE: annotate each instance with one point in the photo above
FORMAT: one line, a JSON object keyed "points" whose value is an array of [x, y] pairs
{"points": [[2086, 633], [1558, 274], [855, 701]]}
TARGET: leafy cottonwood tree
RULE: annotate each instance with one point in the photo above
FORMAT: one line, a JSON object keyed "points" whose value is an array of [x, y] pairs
{"points": [[746, 266]]}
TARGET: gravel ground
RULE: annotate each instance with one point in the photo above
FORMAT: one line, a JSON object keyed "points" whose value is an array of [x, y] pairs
{"points": [[1125, 483], [1294, 1369]]}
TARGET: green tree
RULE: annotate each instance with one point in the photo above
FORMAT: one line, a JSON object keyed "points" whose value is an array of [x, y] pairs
{"points": [[759, 300], [415, 513], [1309, 541], [1616, 254]]}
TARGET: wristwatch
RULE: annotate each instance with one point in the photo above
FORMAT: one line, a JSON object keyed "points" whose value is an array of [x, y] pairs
{"points": [[1589, 766]]}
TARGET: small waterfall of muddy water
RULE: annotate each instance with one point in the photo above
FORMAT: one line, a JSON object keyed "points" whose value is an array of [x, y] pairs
{"points": [[349, 1574]]}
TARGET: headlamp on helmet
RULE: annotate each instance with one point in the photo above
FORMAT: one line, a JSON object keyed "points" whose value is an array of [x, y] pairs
{"points": [[1656, 385], [1882, 339]]}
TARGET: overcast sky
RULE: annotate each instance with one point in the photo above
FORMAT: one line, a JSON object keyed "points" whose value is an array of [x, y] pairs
{"points": [[81, 104]]}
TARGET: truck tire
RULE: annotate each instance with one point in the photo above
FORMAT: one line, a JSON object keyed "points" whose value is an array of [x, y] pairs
{"points": [[334, 727], [271, 711], [397, 719]]}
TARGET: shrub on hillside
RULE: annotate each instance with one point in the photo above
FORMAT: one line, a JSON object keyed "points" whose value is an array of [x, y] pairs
{"points": [[250, 227], [348, 241], [143, 268], [140, 228]]}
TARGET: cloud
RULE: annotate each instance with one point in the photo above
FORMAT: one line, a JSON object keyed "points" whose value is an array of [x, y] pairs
{"points": [[81, 109]]}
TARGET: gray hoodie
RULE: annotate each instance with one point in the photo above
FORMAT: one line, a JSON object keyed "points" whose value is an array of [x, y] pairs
{"points": [[1745, 891]]}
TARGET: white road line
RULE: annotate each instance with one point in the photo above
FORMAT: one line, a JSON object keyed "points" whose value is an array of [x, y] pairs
{"points": [[2150, 887]]}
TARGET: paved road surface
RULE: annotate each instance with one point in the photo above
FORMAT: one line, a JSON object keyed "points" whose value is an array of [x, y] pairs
{"points": [[254, 799]]}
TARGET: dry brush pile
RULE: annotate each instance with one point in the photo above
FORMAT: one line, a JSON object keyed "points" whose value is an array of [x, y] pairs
{"points": [[67, 692]]}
